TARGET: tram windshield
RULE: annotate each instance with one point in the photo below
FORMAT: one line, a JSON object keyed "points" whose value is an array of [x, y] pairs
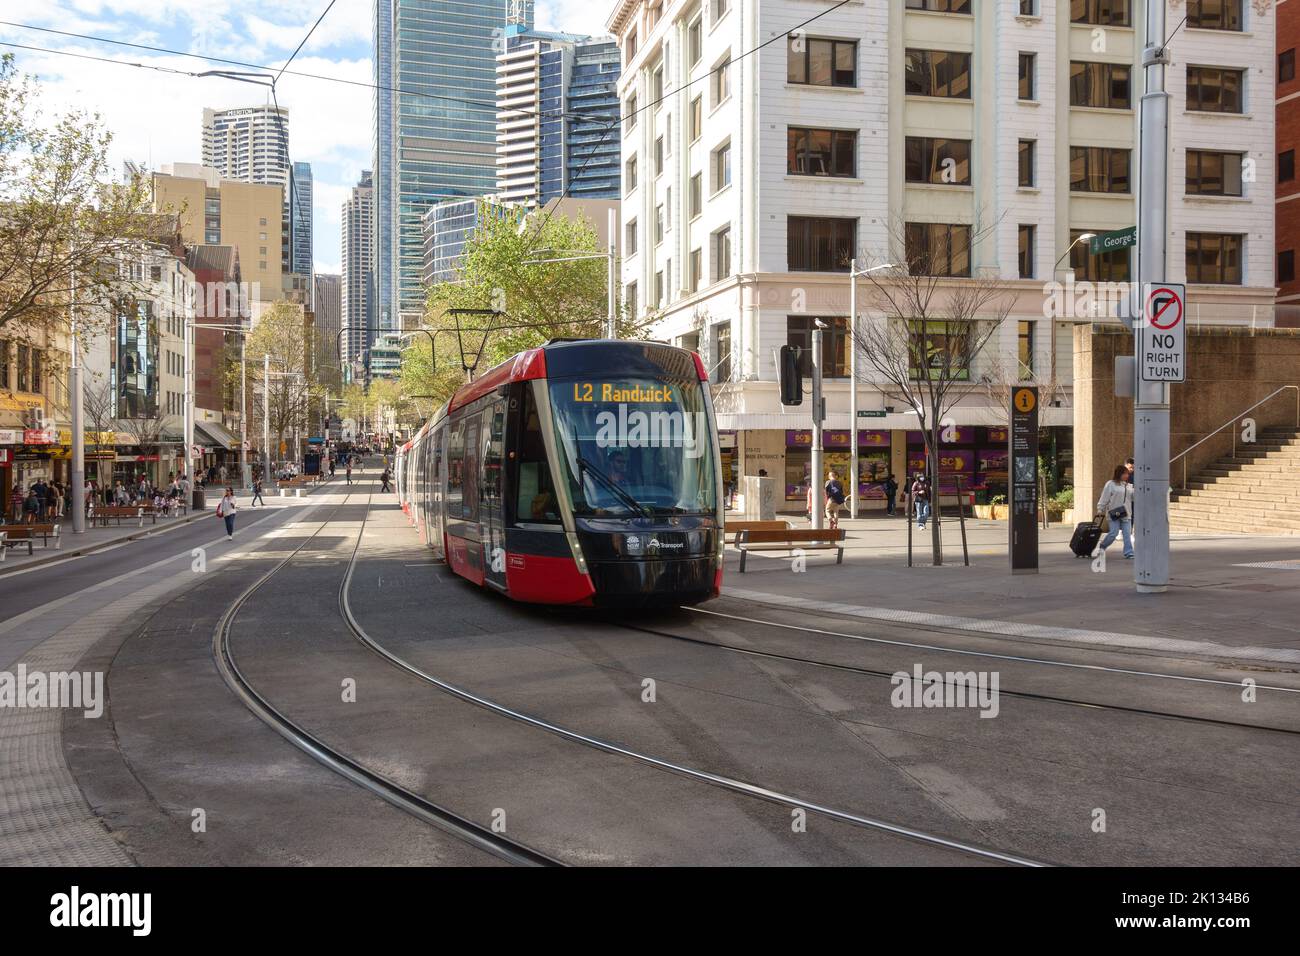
{"points": [[634, 446]]}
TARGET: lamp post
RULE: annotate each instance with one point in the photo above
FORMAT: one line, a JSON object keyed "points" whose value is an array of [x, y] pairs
{"points": [[854, 272], [78, 476], [577, 255], [1051, 328]]}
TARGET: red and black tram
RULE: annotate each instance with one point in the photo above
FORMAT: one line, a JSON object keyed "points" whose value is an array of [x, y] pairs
{"points": [[580, 472]]}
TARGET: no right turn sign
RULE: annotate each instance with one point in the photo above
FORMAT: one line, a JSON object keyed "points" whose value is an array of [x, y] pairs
{"points": [[1162, 342]]}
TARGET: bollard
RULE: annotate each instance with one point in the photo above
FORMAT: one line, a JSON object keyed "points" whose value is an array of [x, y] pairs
{"points": [[281, 492]]}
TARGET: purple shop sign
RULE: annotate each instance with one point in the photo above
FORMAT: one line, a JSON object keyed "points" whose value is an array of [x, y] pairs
{"points": [[961, 435]]}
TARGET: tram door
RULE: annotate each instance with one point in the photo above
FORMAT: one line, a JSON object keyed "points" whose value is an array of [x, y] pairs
{"points": [[436, 492], [491, 518]]}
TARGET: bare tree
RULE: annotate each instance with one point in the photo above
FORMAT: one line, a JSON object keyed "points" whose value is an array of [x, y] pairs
{"points": [[926, 330], [146, 432], [98, 404]]}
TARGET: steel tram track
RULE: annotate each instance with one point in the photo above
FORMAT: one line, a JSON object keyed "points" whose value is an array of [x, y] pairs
{"points": [[413, 803], [871, 672], [704, 776]]}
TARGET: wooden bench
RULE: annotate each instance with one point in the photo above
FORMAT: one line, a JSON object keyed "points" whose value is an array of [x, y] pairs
{"points": [[734, 528], [178, 507], [16, 534], [104, 513], [803, 539], [7, 542]]}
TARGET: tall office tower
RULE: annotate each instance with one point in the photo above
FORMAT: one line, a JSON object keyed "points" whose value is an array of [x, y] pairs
{"points": [[357, 294], [960, 141], [434, 140], [556, 97], [249, 144], [300, 202]]}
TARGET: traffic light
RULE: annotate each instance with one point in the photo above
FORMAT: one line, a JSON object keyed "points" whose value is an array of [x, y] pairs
{"points": [[791, 380]]}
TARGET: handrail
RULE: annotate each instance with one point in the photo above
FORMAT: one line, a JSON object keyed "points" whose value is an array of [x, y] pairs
{"points": [[1233, 421]]}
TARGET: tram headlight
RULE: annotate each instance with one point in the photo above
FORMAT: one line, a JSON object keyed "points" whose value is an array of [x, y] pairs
{"points": [[576, 549]]}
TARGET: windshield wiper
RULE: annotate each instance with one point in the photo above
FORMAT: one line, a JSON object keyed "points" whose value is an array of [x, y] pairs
{"points": [[626, 499]]}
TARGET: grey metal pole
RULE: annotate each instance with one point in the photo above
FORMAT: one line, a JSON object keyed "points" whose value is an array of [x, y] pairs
{"points": [[853, 388], [611, 330], [818, 490], [188, 328], [266, 416], [1151, 399], [245, 471], [78, 491]]}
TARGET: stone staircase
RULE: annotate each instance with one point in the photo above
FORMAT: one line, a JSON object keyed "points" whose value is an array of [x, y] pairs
{"points": [[1256, 492]]}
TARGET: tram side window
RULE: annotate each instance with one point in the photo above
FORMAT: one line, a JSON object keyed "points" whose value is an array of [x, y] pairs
{"points": [[495, 424], [455, 467], [470, 449], [535, 492]]}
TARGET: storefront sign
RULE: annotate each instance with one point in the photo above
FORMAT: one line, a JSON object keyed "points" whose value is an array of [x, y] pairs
{"points": [[1023, 454], [798, 439], [873, 438], [10, 436], [726, 439], [997, 436], [837, 438], [40, 436], [959, 460]]}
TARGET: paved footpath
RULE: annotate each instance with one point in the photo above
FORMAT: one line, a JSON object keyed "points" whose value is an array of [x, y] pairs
{"points": [[1233, 597]]}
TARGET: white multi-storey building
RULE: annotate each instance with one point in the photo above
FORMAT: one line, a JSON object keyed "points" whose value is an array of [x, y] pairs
{"points": [[250, 144], [983, 137], [358, 282]]}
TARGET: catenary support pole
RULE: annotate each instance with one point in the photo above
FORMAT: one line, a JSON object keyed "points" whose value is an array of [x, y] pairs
{"points": [[78, 490], [815, 475]]}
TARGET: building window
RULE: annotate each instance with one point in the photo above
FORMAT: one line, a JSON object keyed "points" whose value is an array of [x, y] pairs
{"points": [[937, 249], [1286, 66], [937, 73], [36, 370], [695, 202], [1109, 266], [720, 252], [697, 118], [1027, 8], [1025, 250], [659, 155], [938, 349], [940, 6], [820, 152], [1212, 173], [720, 165], [657, 85], [835, 343], [721, 352], [693, 276], [720, 8], [1099, 169], [1212, 89], [659, 290], [1025, 350], [629, 175], [821, 62], [1286, 266], [1105, 13], [1215, 14], [695, 41], [629, 298], [1100, 85], [629, 47], [629, 113], [1025, 153], [659, 224], [260, 222], [4, 363], [1214, 258], [939, 161], [721, 81], [820, 244], [24, 361], [629, 239], [1285, 166], [1026, 78], [689, 341]]}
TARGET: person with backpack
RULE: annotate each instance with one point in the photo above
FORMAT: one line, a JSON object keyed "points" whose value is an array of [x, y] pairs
{"points": [[1116, 503], [257, 493], [834, 500], [226, 511], [31, 506], [920, 499], [891, 493], [383, 480]]}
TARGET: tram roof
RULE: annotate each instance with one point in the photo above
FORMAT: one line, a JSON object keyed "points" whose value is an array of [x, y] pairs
{"points": [[562, 358]]}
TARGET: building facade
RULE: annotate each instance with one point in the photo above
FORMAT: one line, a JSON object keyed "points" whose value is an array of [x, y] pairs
{"points": [[435, 140], [357, 283], [250, 144], [301, 196], [956, 139], [557, 106], [1288, 141]]}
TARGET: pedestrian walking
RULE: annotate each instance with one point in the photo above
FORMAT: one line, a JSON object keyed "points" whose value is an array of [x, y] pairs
{"points": [[257, 493], [349, 472], [54, 499], [891, 493], [331, 467], [834, 500], [1116, 503], [31, 506], [226, 511], [16, 498], [920, 499], [383, 481]]}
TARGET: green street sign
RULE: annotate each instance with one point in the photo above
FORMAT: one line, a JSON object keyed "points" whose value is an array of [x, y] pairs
{"points": [[1118, 239], [875, 413]]}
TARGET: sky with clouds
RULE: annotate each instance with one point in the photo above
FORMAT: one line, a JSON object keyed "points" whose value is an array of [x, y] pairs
{"points": [[156, 117]]}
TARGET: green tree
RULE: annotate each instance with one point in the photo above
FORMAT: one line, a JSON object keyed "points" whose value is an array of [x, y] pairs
{"points": [[281, 333], [61, 219]]}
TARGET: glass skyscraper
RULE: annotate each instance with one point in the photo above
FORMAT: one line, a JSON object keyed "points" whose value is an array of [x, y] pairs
{"points": [[434, 126]]}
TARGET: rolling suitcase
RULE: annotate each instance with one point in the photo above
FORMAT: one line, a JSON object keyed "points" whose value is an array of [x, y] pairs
{"points": [[1086, 535]]}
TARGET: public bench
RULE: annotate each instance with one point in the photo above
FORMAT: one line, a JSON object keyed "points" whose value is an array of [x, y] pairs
{"points": [[734, 528], [105, 513], [790, 539], [16, 534]]}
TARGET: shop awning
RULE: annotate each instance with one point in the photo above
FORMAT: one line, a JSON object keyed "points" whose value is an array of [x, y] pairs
{"points": [[214, 433]]}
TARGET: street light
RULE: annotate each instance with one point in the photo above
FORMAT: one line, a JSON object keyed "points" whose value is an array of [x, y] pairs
{"points": [[1051, 329], [854, 272], [1077, 239]]}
